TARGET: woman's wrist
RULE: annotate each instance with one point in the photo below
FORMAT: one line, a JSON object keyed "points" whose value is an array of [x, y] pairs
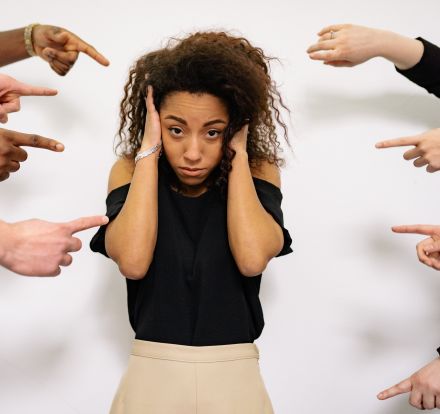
{"points": [[241, 157], [404, 52], [146, 151], [146, 145]]}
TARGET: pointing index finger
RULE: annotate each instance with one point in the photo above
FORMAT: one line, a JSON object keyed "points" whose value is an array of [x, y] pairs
{"points": [[85, 223], [24, 89], [84, 47], [400, 388], [425, 229], [398, 142], [36, 141]]}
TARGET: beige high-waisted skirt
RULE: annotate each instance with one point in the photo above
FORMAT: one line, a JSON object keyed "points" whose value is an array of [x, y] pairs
{"points": [[177, 379]]}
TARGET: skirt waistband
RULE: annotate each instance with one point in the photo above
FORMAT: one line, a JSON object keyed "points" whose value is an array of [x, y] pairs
{"points": [[184, 353]]}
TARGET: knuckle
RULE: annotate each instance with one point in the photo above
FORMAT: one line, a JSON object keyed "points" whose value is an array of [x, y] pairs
{"points": [[5, 150], [35, 139], [339, 53], [413, 401]]}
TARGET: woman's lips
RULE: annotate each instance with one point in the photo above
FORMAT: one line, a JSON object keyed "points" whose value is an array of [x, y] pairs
{"points": [[191, 172]]}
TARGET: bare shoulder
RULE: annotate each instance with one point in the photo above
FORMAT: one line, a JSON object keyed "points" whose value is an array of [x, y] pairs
{"points": [[267, 172], [121, 173]]}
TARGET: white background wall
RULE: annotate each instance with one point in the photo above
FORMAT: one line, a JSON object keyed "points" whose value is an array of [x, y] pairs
{"points": [[348, 314]]}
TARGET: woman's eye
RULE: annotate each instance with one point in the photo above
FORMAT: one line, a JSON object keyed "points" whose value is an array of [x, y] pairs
{"points": [[175, 131], [213, 133]]}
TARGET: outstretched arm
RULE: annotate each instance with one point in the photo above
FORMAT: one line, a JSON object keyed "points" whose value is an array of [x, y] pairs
{"points": [[423, 386], [38, 248], [56, 45], [428, 250], [425, 151], [351, 45]]}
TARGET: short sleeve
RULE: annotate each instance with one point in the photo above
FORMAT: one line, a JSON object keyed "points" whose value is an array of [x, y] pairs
{"points": [[115, 201], [438, 350], [270, 197], [426, 73]]}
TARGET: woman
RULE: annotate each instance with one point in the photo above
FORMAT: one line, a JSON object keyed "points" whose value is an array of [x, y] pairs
{"points": [[193, 229]]}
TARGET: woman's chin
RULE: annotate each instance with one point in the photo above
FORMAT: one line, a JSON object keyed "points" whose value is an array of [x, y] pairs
{"points": [[192, 181]]}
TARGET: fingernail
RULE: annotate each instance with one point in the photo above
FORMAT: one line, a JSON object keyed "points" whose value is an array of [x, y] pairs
{"points": [[105, 220], [431, 247], [59, 147]]}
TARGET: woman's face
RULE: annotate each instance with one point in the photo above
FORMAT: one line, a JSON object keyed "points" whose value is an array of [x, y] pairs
{"points": [[192, 136]]}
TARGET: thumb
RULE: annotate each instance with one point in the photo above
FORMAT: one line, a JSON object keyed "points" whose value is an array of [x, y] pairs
{"points": [[400, 388], [58, 36]]}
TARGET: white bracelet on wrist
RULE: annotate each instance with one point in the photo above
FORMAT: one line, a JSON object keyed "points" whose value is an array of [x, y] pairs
{"points": [[28, 43], [147, 152]]}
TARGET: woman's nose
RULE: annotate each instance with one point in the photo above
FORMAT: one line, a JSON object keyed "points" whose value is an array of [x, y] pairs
{"points": [[192, 151]]}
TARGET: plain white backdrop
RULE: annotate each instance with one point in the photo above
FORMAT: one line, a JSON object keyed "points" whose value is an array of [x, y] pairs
{"points": [[349, 313]]}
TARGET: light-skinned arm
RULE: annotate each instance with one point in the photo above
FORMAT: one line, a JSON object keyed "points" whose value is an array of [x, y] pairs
{"points": [[423, 386], [426, 151], [38, 248], [11, 90], [351, 45], [428, 250], [130, 239], [254, 236]]}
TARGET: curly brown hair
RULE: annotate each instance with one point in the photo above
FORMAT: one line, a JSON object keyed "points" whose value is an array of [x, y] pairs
{"points": [[222, 65]]}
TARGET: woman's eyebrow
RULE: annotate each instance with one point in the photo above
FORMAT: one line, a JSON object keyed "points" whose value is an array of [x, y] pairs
{"points": [[176, 118], [214, 121], [182, 121]]}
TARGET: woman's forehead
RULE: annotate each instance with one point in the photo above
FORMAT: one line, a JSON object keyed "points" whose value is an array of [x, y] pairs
{"points": [[194, 106]]}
